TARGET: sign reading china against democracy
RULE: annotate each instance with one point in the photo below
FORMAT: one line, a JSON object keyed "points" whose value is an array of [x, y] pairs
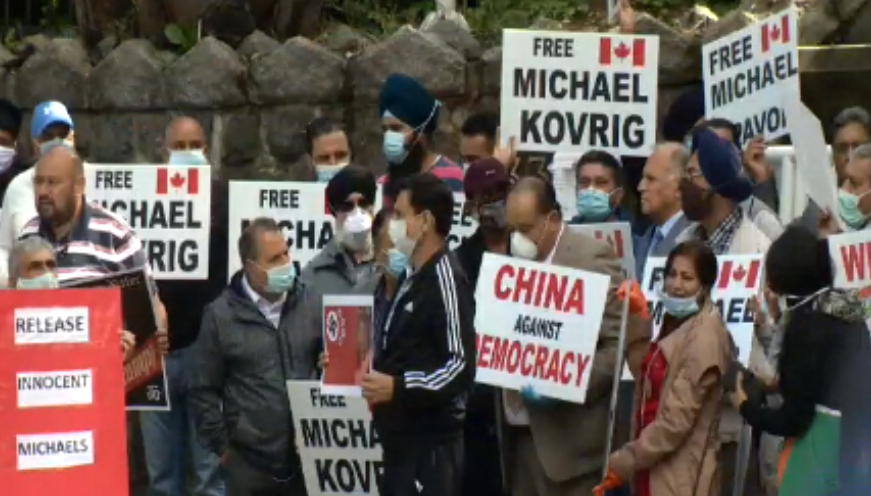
{"points": [[537, 325], [616, 234], [739, 280], [168, 207], [746, 72], [573, 92], [338, 446], [65, 408]]}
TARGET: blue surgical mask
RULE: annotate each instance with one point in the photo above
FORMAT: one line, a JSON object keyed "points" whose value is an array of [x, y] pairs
{"points": [[594, 205], [397, 262], [394, 147], [280, 279], [48, 145], [46, 281], [678, 307], [327, 172], [188, 157], [848, 204]]}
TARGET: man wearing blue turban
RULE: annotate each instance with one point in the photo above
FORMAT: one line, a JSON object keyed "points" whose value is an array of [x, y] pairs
{"points": [[409, 117]]}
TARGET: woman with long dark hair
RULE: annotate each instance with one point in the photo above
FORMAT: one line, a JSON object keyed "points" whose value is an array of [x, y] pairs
{"points": [[674, 451], [822, 375]]}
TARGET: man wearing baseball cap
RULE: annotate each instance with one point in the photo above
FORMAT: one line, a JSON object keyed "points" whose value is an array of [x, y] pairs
{"points": [[486, 186], [51, 126]]}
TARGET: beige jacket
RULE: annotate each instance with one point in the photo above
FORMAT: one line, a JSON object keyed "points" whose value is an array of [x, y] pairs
{"points": [[680, 448]]}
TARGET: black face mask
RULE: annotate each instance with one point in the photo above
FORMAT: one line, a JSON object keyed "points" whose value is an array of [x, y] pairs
{"points": [[696, 200], [492, 217]]}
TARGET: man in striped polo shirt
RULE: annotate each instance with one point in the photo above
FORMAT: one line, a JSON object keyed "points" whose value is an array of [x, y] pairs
{"points": [[89, 240], [409, 117]]}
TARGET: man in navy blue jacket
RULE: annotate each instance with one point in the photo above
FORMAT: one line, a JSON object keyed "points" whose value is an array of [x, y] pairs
{"points": [[424, 363]]}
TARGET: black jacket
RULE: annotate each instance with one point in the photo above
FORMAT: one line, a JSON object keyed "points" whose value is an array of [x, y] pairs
{"points": [[428, 346], [238, 375]]}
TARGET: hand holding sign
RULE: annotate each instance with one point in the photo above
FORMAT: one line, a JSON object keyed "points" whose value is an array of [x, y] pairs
{"points": [[754, 161], [626, 17], [637, 301], [377, 387], [128, 344], [507, 155]]}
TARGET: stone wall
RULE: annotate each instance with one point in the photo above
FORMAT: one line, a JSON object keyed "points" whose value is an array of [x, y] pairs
{"points": [[254, 101]]}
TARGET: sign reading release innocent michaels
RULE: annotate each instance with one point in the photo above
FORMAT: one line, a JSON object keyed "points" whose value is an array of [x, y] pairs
{"points": [[572, 92]]}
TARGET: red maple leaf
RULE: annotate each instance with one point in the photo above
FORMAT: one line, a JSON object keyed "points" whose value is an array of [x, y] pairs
{"points": [[177, 180], [775, 32], [739, 273], [622, 51]]}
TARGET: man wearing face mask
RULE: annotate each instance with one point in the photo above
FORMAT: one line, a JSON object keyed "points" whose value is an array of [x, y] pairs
{"points": [[51, 126], [599, 189], [409, 117], [11, 164], [854, 200], [550, 447], [256, 336], [424, 363], [345, 265], [487, 184], [169, 438]]}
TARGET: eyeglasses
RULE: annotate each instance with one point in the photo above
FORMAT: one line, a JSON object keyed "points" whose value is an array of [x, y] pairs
{"points": [[349, 205]]}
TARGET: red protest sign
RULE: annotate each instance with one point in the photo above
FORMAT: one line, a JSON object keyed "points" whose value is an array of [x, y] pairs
{"points": [[347, 341], [62, 421]]}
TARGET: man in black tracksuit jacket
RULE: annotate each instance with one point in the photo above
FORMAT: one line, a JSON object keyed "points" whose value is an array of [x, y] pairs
{"points": [[424, 363]]}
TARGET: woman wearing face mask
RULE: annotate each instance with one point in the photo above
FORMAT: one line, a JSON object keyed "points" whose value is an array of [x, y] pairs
{"points": [[822, 375], [328, 147], [854, 200], [677, 399]]}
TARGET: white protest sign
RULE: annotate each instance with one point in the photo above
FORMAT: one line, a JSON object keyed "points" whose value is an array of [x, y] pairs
{"points": [[338, 447], [169, 207], [299, 208], [815, 168], [740, 278], [616, 234], [537, 325], [746, 71], [851, 258], [462, 224], [573, 92]]}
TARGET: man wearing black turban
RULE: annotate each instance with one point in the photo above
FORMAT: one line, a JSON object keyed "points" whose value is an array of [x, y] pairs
{"points": [[409, 117]]}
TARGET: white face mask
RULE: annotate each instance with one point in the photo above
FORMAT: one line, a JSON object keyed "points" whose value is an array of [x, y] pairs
{"points": [[399, 236], [355, 233], [523, 247], [6, 156]]}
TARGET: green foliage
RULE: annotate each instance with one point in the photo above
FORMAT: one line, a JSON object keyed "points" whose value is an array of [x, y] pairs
{"points": [[182, 38], [55, 20]]}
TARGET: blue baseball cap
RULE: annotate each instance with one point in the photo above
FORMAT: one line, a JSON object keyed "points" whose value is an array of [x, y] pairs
{"points": [[47, 113]]}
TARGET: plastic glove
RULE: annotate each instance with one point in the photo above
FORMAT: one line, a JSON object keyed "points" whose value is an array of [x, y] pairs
{"points": [[637, 301], [534, 400], [611, 482]]}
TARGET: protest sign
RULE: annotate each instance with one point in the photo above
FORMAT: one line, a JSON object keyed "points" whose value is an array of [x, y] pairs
{"points": [[851, 259], [462, 223], [537, 325], [347, 341], [169, 207], [746, 71], [573, 92], [616, 234], [739, 280], [62, 417], [144, 375], [338, 447]]}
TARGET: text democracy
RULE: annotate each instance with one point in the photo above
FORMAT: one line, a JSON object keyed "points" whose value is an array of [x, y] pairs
{"points": [[532, 360]]}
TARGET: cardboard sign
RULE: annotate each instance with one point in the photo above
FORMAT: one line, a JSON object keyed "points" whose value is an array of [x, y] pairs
{"points": [[347, 340], [537, 325], [574, 92], [616, 234], [746, 72], [462, 223], [169, 207], [851, 259], [62, 418], [338, 447], [739, 280], [145, 377]]}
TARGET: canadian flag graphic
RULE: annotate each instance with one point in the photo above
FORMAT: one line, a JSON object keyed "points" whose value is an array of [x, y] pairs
{"points": [[184, 181], [775, 33], [610, 49], [732, 273]]}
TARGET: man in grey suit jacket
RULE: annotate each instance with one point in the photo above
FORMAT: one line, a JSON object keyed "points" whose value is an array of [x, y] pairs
{"points": [[660, 201]]}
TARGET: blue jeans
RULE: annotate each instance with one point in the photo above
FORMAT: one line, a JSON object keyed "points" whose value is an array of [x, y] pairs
{"points": [[171, 444]]}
